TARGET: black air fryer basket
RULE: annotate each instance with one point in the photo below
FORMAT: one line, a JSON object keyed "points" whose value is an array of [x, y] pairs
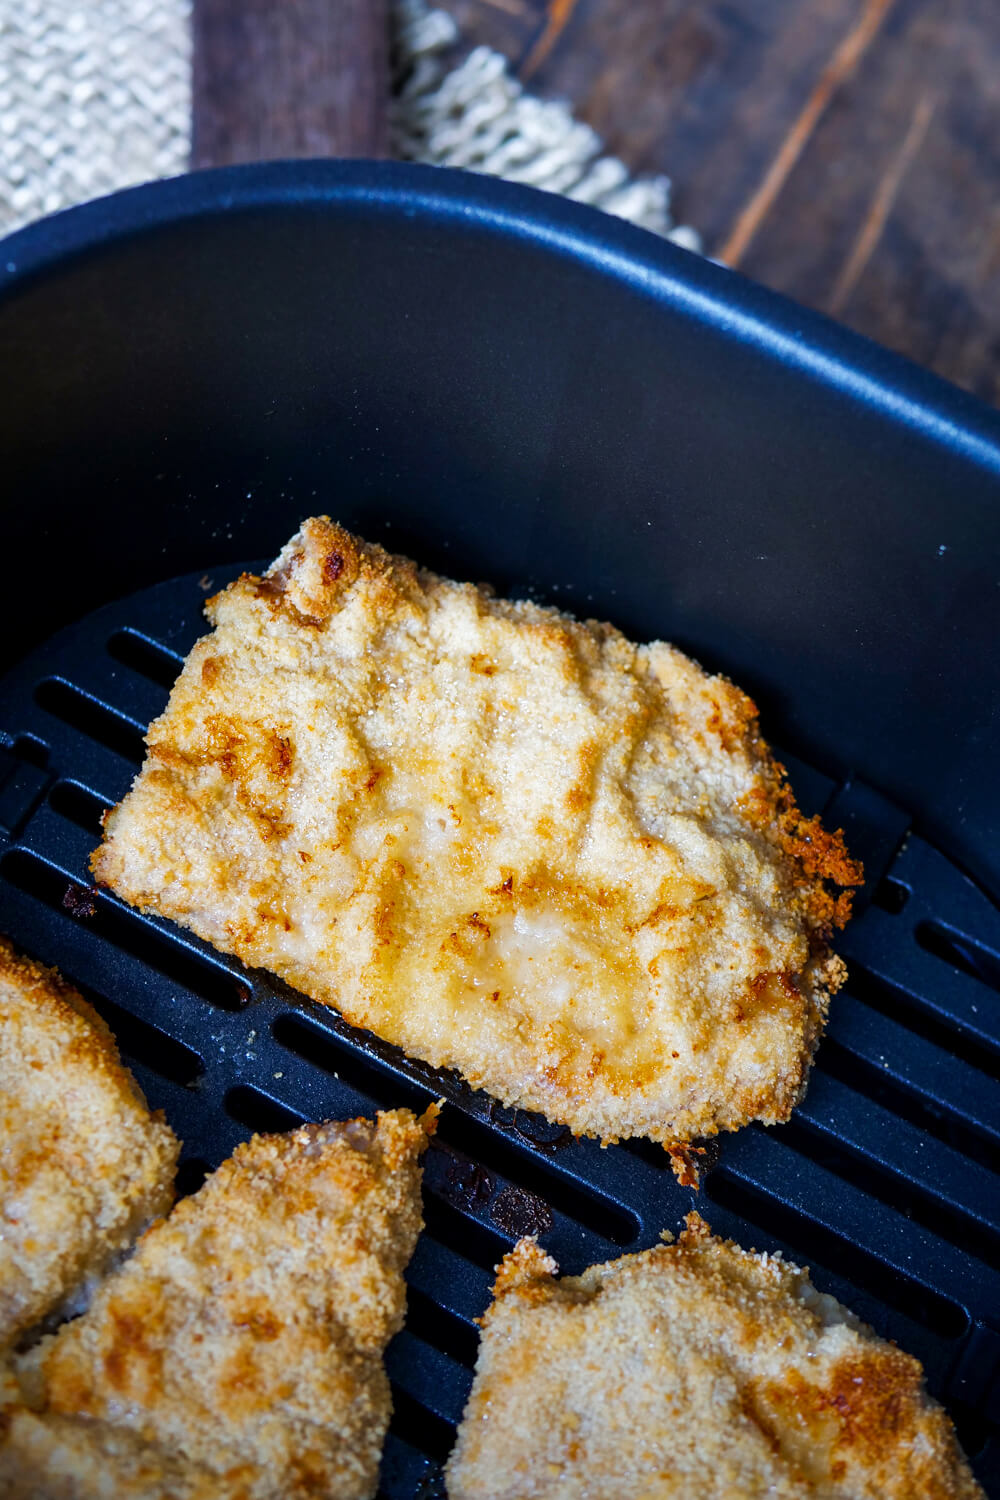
{"points": [[510, 387]]}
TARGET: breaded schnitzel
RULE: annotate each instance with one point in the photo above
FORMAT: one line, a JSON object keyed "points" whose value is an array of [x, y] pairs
{"points": [[47, 1457], [694, 1371], [85, 1164], [510, 842], [243, 1340]]}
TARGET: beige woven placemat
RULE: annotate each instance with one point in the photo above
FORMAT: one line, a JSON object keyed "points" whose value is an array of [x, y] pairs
{"points": [[96, 95]]}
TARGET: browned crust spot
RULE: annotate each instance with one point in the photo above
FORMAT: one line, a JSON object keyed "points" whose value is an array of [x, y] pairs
{"points": [[685, 1164], [819, 857]]}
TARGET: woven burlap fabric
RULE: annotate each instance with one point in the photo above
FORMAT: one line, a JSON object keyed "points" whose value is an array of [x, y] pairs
{"points": [[96, 95]]}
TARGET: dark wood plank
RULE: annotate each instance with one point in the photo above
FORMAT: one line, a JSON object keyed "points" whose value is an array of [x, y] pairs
{"points": [[296, 78], [843, 151]]}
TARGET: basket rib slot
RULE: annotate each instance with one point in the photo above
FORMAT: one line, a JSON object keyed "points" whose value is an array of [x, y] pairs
{"points": [[824, 1250], [431, 1321], [324, 1049], [260, 1112], [93, 718], [931, 1107], [104, 918], [960, 951], [901, 1182], [442, 1274], [571, 1196], [140, 653], [417, 1425], [145, 1043], [482, 1244], [85, 808], [914, 1011]]}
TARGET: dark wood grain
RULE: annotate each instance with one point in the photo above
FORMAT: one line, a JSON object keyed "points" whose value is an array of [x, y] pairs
{"points": [[846, 152], [288, 78]]}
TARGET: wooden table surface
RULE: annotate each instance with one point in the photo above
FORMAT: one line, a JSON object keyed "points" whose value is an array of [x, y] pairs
{"points": [[846, 152]]}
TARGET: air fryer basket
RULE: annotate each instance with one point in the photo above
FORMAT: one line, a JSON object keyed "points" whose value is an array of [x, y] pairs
{"points": [[514, 389]]}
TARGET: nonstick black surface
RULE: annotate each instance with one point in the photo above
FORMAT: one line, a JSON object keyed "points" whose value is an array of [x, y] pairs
{"points": [[511, 388]]}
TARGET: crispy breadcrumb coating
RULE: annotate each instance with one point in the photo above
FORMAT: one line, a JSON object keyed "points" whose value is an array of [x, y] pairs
{"points": [[239, 1351], [508, 841], [694, 1371], [48, 1457], [85, 1164]]}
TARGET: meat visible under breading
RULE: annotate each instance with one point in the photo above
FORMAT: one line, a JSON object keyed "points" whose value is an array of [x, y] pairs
{"points": [[694, 1371], [510, 842], [239, 1352], [84, 1164]]}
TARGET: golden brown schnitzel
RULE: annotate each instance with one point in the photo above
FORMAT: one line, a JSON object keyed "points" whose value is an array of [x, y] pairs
{"points": [[508, 841], [238, 1352], [84, 1164], [695, 1371]]}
